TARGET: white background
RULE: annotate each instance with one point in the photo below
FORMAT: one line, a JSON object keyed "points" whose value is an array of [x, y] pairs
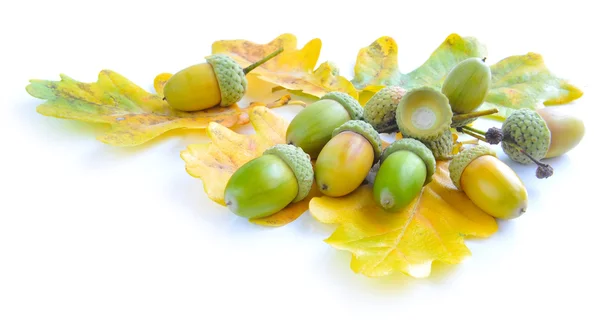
{"points": [[97, 236]]}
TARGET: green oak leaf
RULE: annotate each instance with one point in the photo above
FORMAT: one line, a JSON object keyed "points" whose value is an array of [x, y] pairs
{"points": [[518, 82]]}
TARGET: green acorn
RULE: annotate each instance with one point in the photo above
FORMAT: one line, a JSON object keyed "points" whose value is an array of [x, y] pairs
{"points": [[406, 166], [311, 129], [467, 84], [423, 113], [282, 175], [380, 110]]}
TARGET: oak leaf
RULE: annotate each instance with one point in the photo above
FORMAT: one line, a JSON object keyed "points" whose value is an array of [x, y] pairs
{"points": [[293, 69], [518, 82], [215, 162], [135, 116], [432, 228]]}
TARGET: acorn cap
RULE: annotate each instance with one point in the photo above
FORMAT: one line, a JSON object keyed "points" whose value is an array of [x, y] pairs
{"points": [[423, 113], [350, 104], [464, 158], [380, 110], [230, 77], [300, 164], [416, 147], [528, 130], [366, 130], [442, 146]]}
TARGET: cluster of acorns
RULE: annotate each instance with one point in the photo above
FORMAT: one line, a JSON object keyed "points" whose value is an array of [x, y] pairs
{"points": [[343, 139]]}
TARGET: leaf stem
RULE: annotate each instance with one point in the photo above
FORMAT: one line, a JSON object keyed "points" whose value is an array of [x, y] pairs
{"points": [[462, 117], [262, 61]]}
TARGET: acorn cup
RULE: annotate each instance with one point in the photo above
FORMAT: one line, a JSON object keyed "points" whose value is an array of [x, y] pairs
{"points": [[282, 175], [406, 166], [345, 161], [313, 126], [380, 110], [424, 114], [219, 81], [489, 183], [441, 147]]}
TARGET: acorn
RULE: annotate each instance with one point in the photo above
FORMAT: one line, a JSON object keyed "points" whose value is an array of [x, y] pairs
{"points": [[467, 85], [380, 110], [313, 126], [423, 113], [526, 136], [265, 185], [345, 161], [406, 166], [489, 183], [220, 81], [566, 130]]}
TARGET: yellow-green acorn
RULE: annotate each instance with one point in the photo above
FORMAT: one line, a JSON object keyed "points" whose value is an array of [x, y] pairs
{"points": [[282, 175], [490, 184], [312, 127], [347, 158], [407, 165], [380, 110], [219, 81], [423, 113], [467, 84], [566, 130]]}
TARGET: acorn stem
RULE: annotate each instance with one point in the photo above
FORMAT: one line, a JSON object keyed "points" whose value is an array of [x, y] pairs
{"points": [[474, 130], [462, 117], [471, 133], [544, 170], [262, 61]]}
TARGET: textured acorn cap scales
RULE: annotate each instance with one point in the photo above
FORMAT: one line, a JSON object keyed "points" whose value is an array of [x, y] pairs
{"points": [[415, 107], [230, 77], [463, 159], [442, 146], [353, 107], [300, 164], [416, 147], [528, 130], [366, 130], [380, 110]]}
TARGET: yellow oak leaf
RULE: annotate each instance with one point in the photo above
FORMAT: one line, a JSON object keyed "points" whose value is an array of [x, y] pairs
{"points": [[518, 82], [293, 69], [215, 162], [134, 115], [432, 228]]}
